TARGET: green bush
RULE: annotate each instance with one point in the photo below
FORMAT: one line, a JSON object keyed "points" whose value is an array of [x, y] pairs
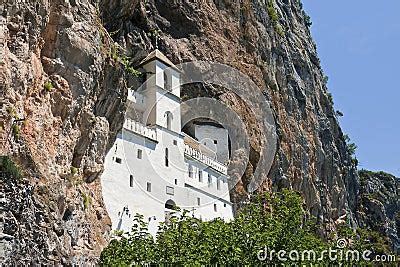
{"points": [[123, 60], [307, 19], [48, 86], [73, 170], [351, 147], [87, 200], [279, 30], [11, 169], [16, 130], [12, 112], [325, 79], [273, 221], [330, 99], [273, 14]]}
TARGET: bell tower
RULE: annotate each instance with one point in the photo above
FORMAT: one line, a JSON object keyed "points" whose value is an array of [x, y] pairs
{"points": [[158, 101]]}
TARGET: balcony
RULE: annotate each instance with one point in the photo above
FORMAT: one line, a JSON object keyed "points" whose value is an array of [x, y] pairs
{"points": [[140, 129], [192, 149]]}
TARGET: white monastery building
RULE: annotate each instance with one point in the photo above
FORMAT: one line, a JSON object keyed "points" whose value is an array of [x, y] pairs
{"points": [[154, 166]]}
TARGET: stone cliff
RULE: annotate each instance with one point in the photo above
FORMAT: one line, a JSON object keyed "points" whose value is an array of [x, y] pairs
{"points": [[64, 77]]}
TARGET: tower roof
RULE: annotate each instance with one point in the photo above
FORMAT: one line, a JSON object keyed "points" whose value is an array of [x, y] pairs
{"points": [[157, 54]]}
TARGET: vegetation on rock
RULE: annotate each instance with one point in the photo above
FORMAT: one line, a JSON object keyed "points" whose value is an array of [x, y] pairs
{"points": [[10, 168], [48, 86], [351, 149], [273, 14], [87, 200]]}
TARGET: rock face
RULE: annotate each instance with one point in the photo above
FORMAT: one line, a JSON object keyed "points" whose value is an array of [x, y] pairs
{"points": [[59, 72], [57, 77], [379, 204]]}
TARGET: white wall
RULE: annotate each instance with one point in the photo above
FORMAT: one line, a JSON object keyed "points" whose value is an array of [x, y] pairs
{"points": [[206, 134], [221, 193], [172, 75], [166, 102], [151, 168]]}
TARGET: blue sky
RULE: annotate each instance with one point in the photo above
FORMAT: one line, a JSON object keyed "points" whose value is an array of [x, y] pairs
{"points": [[359, 47]]}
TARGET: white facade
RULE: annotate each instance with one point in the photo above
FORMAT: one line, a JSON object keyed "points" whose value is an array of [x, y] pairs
{"points": [[215, 138], [154, 166]]}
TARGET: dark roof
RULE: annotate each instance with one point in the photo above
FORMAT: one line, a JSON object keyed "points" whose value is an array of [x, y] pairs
{"points": [[157, 54]]}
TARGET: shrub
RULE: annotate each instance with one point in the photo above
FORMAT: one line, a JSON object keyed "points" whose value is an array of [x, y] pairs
{"points": [[273, 221], [16, 130], [351, 147], [339, 113], [73, 170], [48, 86], [307, 19], [279, 30], [273, 14], [354, 161], [11, 111], [123, 60], [325, 79], [10, 168], [330, 99], [87, 200], [117, 232]]}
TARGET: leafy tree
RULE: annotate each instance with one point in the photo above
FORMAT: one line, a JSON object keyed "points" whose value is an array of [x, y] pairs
{"points": [[274, 221]]}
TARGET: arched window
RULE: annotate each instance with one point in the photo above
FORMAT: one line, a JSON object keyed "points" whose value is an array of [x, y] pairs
{"points": [[169, 118], [166, 157], [170, 204], [167, 85], [170, 208]]}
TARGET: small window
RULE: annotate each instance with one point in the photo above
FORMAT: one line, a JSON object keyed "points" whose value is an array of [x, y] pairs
{"points": [[200, 176], [215, 207], [176, 181], [139, 153], [166, 157], [175, 142], [170, 190], [215, 142], [190, 171], [198, 201], [148, 187], [166, 82], [131, 180], [118, 160], [209, 181], [168, 114], [218, 184], [224, 205]]}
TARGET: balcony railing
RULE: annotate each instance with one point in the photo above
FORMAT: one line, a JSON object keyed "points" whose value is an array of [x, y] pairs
{"points": [[196, 154], [140, 129], [197, 145]]}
